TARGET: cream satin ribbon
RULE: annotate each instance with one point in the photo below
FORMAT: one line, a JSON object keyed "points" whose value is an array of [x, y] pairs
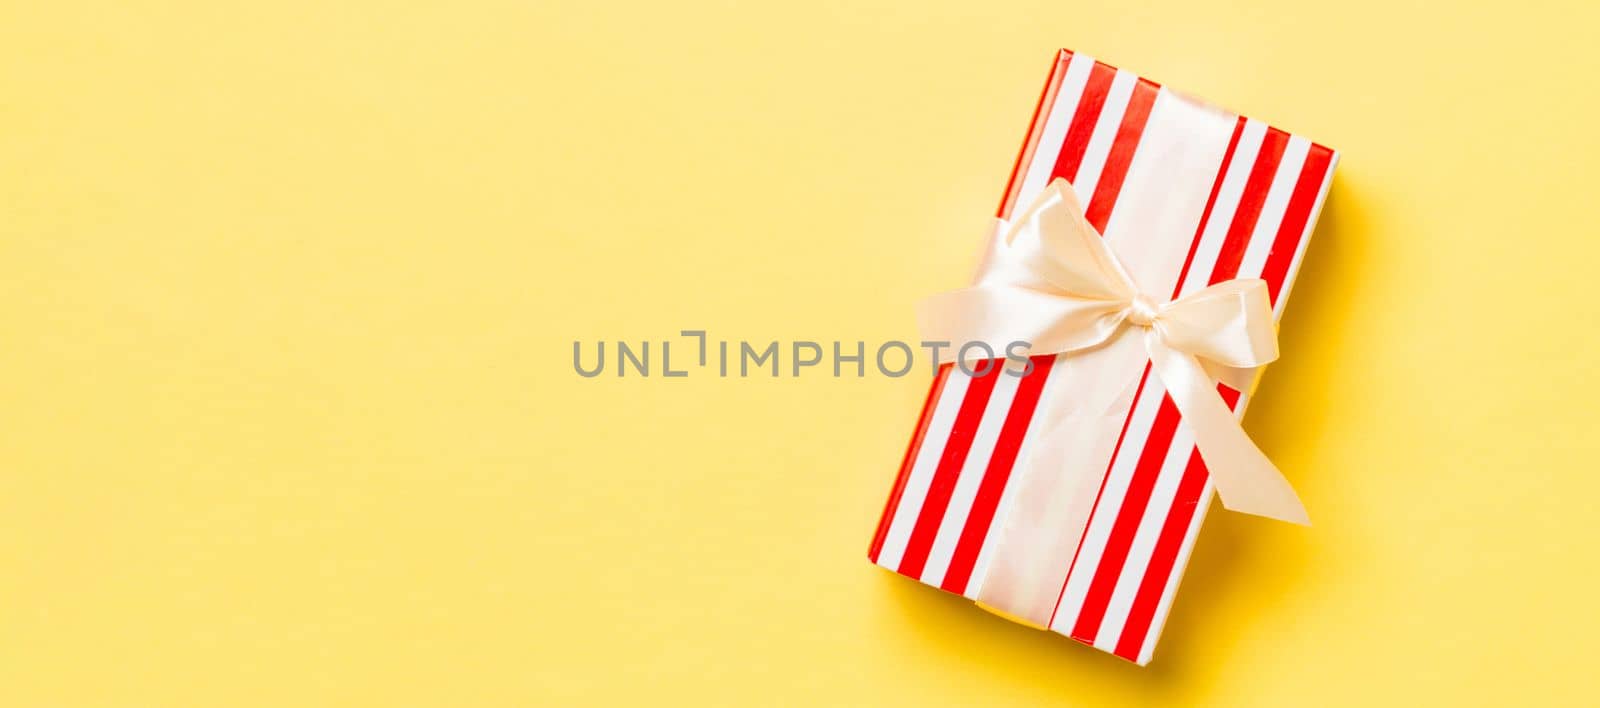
{"points": [[1053, 282]]}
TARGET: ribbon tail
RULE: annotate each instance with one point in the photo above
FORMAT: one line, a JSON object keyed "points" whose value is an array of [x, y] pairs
{"points": [[1245, 479]]}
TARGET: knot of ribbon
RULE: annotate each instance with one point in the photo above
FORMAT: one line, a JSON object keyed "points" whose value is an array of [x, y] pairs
{"points": [[1142, 311], [1053, 282]]}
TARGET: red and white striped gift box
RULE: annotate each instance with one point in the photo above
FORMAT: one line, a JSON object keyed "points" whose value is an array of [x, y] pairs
{"points": [[1232, 197]]}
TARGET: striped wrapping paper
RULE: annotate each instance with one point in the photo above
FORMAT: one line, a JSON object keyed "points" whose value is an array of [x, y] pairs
{"points": [[1242, 197]]}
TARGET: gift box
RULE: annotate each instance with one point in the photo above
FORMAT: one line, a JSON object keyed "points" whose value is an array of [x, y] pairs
{"points": [[1190, 195]]}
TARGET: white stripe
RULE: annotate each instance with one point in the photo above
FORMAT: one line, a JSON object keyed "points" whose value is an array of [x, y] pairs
{"points": [[1305, 238], [1222, 211], [1105, 511], [1056, 381], [916, 491], [1272, 209], [972, 470], [1059, 118], [1144, 541], [1104, 135]]}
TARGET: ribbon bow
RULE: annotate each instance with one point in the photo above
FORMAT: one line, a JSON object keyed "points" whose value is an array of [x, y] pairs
{"points": [[1053, 282]]}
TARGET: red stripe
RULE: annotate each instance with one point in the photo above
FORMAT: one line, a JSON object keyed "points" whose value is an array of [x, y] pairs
{"points": [[1255, 195], [1126, 525], [1162, 559], [1175, 529], [1083, 122], [996, 475], [949, 469], [1165, 554], [892, 506], [1052, 83], [1211, 202], [1121, 155], [1293, 228]]}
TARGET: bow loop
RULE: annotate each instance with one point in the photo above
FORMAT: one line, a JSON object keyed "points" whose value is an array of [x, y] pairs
{"points": [[1053, 248], [1229, 323]]}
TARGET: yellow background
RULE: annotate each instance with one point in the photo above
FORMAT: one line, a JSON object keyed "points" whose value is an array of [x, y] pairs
{"points": [[288, 292]]}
